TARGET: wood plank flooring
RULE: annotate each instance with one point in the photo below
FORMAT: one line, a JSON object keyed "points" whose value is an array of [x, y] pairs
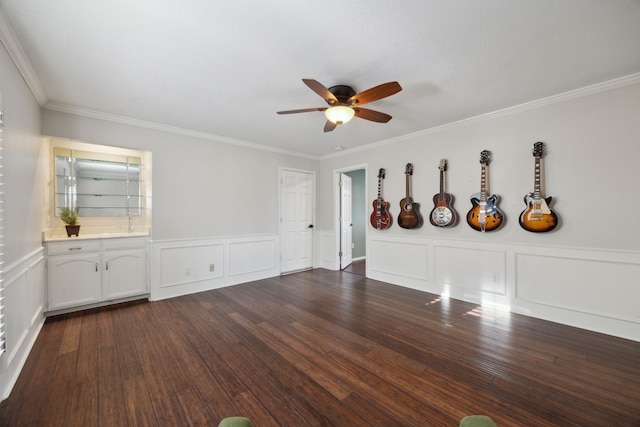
{"points": [[321, 348]]}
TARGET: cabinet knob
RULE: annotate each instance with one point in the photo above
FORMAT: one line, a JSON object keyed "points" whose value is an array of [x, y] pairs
{"points": [[96, 266]]}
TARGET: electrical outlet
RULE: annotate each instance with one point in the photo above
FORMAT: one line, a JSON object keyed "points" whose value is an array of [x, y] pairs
{"points": [[212, 267], [187, 271], [496, 277]]}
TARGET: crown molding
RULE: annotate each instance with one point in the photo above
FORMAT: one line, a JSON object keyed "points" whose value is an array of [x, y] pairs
{"points": [[10, 41], [85, 112], [608, 85]]}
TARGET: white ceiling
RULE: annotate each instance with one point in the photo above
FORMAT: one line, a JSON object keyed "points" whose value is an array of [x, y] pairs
{"points": [[224, 68]]}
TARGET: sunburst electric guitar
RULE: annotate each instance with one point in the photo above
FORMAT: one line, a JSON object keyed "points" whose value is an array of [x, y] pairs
{"points": [[537, 217], [443, 214], [380, 217], [409, 216], [484, 215]]}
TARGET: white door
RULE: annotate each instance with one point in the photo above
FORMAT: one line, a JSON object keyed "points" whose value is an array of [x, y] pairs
{"points": [[346, 221], [297, 194]]}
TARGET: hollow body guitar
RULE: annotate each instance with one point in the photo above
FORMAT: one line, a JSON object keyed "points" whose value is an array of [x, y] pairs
{"points": [[443, 214], [484, 215], [537, 217], [409, 216], [380, 218]]}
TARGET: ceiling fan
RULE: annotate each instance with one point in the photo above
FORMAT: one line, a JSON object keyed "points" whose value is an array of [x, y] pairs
{"points": [[344, 103]]}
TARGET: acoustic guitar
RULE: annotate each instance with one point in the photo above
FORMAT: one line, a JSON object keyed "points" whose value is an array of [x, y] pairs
{"points": [[537, 217], [443, 214], [409, 216], [380, 217], [484, 214]]}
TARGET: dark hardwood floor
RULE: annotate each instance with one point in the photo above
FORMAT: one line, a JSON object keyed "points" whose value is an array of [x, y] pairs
{"points": [[321, 348], [357, 267]]}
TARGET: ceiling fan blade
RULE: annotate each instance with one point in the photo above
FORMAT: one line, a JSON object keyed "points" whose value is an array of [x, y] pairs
{"points": [[329, 126], [321, 90], [304, 110], [374, 116], [375, 93]]}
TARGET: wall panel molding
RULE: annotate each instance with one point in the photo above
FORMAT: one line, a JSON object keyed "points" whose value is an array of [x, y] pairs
{"points": [[24, 311], [552, 283], [180, 267], [559, 278]]}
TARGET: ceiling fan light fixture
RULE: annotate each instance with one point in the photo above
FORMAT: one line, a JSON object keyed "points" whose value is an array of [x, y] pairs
{"points": [[339, 114]]}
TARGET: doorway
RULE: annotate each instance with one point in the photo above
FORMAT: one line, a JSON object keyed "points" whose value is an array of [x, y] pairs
{"points": [[350, 215]]}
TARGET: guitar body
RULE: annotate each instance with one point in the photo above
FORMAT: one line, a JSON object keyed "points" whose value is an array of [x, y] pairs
{"points": [[484, 217], [443, 214], [538, 218], [409, 216], [380, 218]]}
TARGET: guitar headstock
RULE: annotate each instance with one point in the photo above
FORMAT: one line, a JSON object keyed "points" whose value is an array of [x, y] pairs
{"points": [[485, 157], [538, 149], [409, 169], [443, 165], [381, 173]]}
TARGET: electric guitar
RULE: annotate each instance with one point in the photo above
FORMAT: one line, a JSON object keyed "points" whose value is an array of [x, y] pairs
{"points": [[409, 216], [443, 214], [484, 215], [380, 217], [537, 218]]}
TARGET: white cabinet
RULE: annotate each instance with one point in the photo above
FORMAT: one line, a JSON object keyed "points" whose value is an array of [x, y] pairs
{"points": [[124, 273], [91, 272]]}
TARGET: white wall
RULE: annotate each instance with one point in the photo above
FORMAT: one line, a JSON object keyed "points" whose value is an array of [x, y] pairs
{"points": [[212, 203], [201, 188], [23, 271], [583, 273]]}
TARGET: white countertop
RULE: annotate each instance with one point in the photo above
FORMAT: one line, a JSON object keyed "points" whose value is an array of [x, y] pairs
{"points": [[47, 237]]}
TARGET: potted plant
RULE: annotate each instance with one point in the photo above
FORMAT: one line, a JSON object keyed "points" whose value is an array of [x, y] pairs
{"points": [[70, 217]]}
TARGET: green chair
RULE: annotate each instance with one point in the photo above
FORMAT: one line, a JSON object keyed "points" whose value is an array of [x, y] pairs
{"points": [[477, 421], [235, 422]]}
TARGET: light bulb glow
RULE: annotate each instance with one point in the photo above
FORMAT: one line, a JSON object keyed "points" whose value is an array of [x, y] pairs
{"points": [[339, 114]]}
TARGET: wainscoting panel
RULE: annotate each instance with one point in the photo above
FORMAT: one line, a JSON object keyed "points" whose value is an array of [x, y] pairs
{"points": [[591, 289], [475, 269], [188, 266], [567, 281], [185, 264], [251, 257], [398, 260], [325, 250], [24, 313]]}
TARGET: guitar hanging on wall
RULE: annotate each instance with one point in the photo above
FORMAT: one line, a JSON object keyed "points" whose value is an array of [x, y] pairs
{"points": [[409, 216], [380, 217], [537, 217], [484, 215], [443, 214]]}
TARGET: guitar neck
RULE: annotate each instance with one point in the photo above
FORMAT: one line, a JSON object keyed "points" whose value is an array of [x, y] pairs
{"points": [[408, 193], [536, 181], [483, 185], [441, 183]]}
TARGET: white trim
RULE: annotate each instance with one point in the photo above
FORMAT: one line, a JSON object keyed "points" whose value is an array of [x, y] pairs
{"points": [[337, 195], [85, 112], [629, 80], [10, 42]]}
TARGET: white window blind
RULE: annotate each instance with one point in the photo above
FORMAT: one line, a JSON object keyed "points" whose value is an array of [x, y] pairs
{"points": [[3, 338]]}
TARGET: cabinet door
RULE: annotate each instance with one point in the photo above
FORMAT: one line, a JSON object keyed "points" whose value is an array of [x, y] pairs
{"points": [[73, 280], [125, 273]]}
